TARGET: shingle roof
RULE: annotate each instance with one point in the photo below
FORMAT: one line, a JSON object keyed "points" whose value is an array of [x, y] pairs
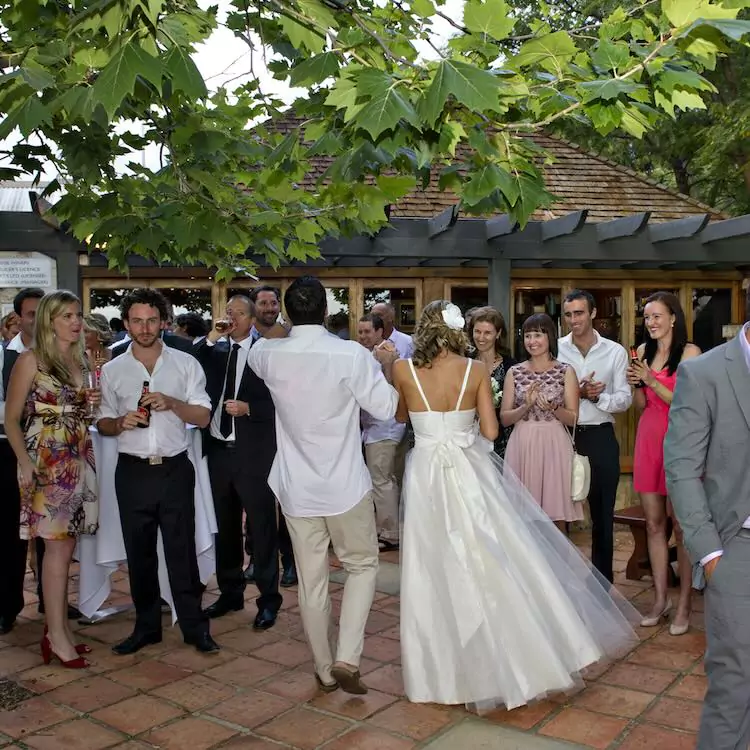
{"points": [[579, 180]]}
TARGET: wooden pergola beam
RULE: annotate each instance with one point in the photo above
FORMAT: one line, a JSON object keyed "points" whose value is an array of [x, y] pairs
{"points": [[678, 229]]}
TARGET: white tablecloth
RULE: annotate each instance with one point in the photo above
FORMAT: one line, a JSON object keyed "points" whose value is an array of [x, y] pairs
{"points": [[100, 555]]}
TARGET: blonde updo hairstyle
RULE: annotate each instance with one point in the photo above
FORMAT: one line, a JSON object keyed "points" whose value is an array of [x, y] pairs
{"points": [[433, 336], [97, 323]]}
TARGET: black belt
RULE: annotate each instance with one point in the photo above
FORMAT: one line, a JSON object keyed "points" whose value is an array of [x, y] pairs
{"points": [[152, 460], [226, 444], [590, 427]]}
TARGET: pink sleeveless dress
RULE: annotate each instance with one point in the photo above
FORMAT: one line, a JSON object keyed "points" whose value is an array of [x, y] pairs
{"points": [[540, 451], [648, 461]]}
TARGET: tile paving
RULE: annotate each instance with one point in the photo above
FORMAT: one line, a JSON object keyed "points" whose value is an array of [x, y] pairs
{"points": [[259, 693]]}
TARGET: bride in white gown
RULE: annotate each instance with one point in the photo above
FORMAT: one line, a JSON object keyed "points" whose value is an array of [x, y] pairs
{"points": [[497, 606]]}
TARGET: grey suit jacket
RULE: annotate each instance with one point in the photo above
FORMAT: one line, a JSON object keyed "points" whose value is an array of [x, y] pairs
{"points": [[707, 450]]}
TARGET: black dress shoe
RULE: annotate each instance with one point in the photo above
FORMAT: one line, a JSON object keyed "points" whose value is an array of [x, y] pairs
{"points": [[7, 623], [264, 619], [204, 643], [223, 605], [289, 577], [136, 642], [250, 573], [73, 612]]}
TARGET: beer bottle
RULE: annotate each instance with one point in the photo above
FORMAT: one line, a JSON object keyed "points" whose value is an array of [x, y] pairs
{"points": [[144, 410], [635, 360]]}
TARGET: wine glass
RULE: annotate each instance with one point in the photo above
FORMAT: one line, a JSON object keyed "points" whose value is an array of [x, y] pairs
{"points": [[91, 384]]}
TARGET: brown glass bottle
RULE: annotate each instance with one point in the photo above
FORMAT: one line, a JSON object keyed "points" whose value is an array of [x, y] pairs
{"points": [[634, 359], [144, 410]]}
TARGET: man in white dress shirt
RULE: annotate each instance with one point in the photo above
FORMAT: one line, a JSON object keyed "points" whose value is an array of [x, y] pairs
{"points": [[381, 439], [319, 384], [600, 366], [154, 478]]}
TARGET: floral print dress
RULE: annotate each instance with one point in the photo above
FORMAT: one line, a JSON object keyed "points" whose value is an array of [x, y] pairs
{"points": [[62, 501]]}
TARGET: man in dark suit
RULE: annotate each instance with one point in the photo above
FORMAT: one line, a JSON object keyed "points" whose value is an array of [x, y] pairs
{"points": [[267, 301], [12, 548], [240, 445]]}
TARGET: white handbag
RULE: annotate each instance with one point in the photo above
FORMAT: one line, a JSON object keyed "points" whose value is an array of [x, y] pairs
{"points": [[580, 476]]}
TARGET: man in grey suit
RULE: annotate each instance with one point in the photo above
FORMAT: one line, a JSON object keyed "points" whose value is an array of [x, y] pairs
{"points": [[706, 458]]}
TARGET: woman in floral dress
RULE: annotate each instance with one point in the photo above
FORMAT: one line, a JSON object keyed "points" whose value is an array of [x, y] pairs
{"points": [[540, 398], [45, 418], [489, 334]]}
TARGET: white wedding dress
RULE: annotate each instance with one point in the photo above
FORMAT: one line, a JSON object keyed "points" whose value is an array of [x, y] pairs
{"points": [[497, 606]]}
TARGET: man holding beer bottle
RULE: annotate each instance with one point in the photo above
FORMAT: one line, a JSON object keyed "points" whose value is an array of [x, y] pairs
{"points": [[160, 390]]}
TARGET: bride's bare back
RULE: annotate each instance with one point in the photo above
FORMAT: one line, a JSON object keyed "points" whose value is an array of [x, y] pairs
{"points": [[441, 383]]}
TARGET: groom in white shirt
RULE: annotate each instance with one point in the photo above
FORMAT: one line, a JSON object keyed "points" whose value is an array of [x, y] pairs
{"points": [[319, 384]]}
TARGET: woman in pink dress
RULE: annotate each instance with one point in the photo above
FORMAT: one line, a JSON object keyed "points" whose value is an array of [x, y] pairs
{"points": [[653, 376], [540, 397]]}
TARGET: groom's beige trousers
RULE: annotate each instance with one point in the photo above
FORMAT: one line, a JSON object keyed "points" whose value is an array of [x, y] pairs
{"points": [[356, 546]]}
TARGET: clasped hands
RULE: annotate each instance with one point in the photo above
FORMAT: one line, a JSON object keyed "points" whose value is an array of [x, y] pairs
{"points": [[385, 353], [590, 389], [534, 397], [639, 372]]}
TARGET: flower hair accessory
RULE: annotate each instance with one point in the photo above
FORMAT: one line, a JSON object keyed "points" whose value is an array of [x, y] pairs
{"points": [[453, 318]]}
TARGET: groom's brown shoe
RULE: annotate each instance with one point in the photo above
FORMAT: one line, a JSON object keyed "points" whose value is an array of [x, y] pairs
{"points": [[349, 680]]}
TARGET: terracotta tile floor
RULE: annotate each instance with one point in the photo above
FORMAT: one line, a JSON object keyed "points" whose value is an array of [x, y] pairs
{"points": [[259, 692]]}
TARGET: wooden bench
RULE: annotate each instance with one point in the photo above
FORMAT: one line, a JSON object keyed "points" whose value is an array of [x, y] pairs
{"points": [[639, 564]]}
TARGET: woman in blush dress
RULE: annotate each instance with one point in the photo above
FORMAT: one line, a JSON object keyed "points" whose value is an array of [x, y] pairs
{"points": [[497, 606], [540, 398], [488, 332], [46, 425], [653, 376]]}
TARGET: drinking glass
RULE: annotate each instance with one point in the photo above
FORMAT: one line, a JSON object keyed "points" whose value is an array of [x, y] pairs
{"points": [[91, 383]]}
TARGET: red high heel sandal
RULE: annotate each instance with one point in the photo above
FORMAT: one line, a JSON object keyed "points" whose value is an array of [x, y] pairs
{"points": [[48, 653], [81, 648]]}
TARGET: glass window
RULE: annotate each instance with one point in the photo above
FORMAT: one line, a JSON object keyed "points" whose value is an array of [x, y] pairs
{"points": [[467, 297], [106, 302], [339, 311], [403, 299], [189, 300], [712, 309], [608, 313]]}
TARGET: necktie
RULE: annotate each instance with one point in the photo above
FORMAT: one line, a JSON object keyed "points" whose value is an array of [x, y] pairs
{"points": [[225, 426]]}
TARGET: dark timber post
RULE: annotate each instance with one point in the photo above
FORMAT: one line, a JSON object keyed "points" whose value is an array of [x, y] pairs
{"points": [[498, 287]]}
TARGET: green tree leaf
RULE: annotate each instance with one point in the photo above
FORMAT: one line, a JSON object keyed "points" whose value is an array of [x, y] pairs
{"points": [[117, 79], [314, 70], [185, 76], [303, 37], [607, 89], [28, 116], [387, 105], [395, 187], [552, 52], [490, 17], [423, 8]]}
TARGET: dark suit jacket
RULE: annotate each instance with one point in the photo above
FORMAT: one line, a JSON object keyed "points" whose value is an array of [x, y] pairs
{"points": [[256, 432], [9, 359], [169, 339]]}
